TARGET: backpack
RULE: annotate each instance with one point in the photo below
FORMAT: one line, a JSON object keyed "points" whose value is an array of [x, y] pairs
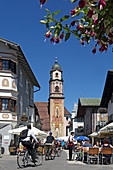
{"points": [[23, 134]]}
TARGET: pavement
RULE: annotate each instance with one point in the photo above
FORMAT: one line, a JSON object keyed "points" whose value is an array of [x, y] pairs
{"points": [[60, 163]]}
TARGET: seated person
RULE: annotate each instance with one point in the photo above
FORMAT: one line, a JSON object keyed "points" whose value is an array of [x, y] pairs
{"points": [[107, 156], [86, 145]]}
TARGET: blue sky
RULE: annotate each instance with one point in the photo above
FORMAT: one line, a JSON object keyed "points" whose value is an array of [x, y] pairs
{"points": [[84, 73]]}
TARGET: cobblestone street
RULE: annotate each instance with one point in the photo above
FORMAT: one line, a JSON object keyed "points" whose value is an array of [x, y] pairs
{"points": [[60, 163]]}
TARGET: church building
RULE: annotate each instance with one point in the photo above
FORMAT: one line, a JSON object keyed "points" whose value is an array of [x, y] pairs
{"points": [[54, 116]]}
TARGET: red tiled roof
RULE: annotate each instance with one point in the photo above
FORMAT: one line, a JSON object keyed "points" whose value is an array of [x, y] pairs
{"points": [[66, 112], [43, 111]]}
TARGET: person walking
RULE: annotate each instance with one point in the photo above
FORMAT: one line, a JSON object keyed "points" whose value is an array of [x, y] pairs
{"points": [[71, 141]]}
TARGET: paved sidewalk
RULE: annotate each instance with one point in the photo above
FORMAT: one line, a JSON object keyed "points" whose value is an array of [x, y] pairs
{"points": [[60, 163]]}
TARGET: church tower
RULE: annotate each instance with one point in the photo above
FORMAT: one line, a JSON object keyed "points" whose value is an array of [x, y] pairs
{"points": [[56, 100]]}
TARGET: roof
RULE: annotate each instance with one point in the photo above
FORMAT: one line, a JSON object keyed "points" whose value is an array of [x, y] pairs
{"points": [[56, 66], [90, 101], [22, 59], [42, 108], [108, 89], [84, 103], [66, 112]]}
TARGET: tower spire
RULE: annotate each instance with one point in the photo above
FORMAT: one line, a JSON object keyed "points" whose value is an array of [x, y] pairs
{"points": [[56, 59]]}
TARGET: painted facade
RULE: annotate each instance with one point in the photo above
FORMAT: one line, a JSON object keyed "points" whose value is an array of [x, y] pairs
{"points": [[17, 83]]}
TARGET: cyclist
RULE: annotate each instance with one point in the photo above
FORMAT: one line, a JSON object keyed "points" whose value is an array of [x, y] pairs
{"points": [[27, 142], [50, 142], [50, 138]]}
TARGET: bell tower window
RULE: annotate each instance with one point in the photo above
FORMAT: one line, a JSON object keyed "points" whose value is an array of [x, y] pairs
{"points": [[56, 89], [56, 75]]}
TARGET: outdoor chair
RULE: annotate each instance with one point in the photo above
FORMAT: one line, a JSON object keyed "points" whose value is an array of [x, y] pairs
{"points": [[85, 153], [93, 155], [106, 151], [77, 155]]}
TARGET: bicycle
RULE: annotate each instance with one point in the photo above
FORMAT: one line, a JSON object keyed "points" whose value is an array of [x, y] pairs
{"points": [[58, 151], [49, 153], [24, 157]]}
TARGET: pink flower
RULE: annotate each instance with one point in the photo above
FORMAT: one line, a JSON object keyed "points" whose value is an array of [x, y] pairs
{"points": [[82, 3], [90, 13], [86, 32], [42, 1], [52, 39], [73, 23], [101, 4], [79, 27], [103, 48], [110, 42], [62, 36], [95, 21], [92, 34], [94, 51], [48, 34], [73, 12], [57, 40], [110, 35], [82, 41]]}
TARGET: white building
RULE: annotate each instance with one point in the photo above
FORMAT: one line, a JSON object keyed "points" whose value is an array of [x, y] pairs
{"points": [[17, 83]]}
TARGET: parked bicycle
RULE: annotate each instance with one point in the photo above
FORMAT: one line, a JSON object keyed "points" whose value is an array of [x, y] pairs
{"points": [[24, 157]]}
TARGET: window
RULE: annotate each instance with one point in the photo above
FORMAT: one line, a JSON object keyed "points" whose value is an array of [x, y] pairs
{"points": [[56, 89], [12, 105], [56, 75], [5, 104], [8, 65], [13, 66], [5, 64], [8, 104]]}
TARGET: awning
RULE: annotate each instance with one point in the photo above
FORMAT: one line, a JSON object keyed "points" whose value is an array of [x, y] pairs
{"points": [[106, 129], [36, 131]]}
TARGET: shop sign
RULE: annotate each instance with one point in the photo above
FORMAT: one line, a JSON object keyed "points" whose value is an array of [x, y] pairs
{"points": [[24, 118]]}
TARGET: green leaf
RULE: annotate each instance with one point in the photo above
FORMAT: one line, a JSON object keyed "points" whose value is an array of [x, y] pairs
{"points": [[43, 21], [56, 13], [67, 36], [47, 25], [59, 25], [52, 27], [57, 32], [50, 20], [64, 18], [47, 10], [73, 1]]}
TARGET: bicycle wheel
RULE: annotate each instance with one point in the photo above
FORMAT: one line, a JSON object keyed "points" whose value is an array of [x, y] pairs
{"points": [[39, 158], [20, 159], [52, 155], [59, 153], [47, 154]]}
